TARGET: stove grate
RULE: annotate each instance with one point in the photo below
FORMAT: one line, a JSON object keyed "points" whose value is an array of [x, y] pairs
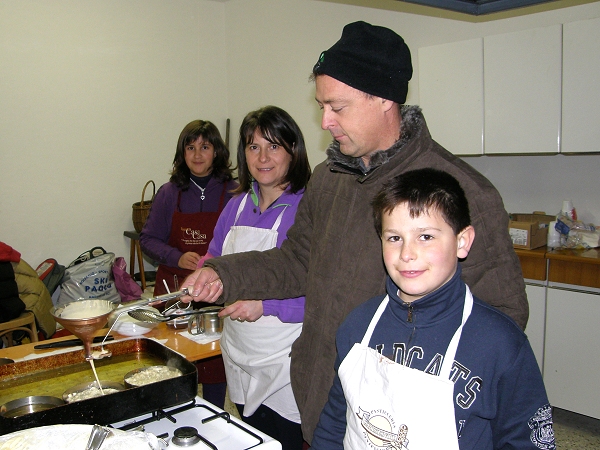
{"points": [[171, 414]]}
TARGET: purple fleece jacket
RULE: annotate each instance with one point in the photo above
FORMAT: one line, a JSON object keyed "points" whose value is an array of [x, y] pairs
{"points": [[287, 310], [157, 229]]}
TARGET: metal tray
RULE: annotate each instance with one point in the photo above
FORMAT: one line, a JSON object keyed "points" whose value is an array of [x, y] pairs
{"points": [[112, 408]]}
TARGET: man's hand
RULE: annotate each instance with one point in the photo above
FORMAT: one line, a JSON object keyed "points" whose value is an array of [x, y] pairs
{"points": [[243, 310], [204, 286]]}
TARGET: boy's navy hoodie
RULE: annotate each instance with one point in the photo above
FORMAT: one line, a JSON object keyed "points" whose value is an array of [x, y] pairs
{"points": [[500, 399]]}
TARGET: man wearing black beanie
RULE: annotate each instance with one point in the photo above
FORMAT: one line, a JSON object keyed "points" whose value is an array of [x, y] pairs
{"points": [[333, 252]]}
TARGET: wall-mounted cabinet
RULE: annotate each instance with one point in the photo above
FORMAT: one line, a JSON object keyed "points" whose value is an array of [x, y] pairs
{"points": [[534, 91], [581, 87], [522, 88], [451, 94]]}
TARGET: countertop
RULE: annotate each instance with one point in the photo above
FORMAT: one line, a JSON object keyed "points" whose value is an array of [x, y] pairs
{"points": [[190, 349], [570, 266]]}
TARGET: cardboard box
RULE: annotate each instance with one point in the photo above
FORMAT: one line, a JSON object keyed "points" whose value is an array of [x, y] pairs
{"points": [[529, 231]]}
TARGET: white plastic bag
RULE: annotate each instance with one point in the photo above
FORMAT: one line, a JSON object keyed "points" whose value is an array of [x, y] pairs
{"points": [[91, 278]]}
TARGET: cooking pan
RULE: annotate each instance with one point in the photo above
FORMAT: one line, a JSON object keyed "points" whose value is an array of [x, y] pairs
{"points": [[70, 395]]}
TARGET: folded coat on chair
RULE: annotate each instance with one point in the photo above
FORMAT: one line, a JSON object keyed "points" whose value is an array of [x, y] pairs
{"points": [[31, 292], [36, 297]]}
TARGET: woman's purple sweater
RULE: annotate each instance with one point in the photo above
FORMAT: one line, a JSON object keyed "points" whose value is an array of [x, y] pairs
{"points": [[287, 310]]}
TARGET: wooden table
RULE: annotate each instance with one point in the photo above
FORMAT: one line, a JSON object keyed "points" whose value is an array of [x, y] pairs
{"points": [[191, 350]]}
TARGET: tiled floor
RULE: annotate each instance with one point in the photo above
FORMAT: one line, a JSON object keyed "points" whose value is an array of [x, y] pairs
{"points": [[574, 431]]}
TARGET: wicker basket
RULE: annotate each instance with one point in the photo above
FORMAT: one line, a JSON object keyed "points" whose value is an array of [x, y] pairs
{"points": [[142, 209]]}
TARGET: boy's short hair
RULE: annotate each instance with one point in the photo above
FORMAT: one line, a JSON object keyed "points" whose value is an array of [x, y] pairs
{"points": [[424, 190]]}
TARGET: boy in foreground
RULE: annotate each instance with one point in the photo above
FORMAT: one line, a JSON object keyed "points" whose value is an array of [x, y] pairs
{"points": [[428, 366]]}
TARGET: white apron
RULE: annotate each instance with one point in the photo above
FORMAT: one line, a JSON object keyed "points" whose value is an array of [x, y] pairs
{"points": [[257, 354], [391, 405]]}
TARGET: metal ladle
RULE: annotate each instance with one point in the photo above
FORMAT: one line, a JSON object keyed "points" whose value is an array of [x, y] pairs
{"points": [[137, 304], [148, 316]]}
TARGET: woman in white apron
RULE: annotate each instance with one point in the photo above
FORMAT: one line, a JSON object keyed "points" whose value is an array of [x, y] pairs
{"points": [[428, 366], [258, 334]]}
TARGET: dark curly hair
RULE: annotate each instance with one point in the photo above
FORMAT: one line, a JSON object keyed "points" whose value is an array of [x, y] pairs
{"points": [[278, 127], [221, 167]]}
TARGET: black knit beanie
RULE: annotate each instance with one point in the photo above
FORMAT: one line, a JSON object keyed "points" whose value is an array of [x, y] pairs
{"points": [[371, 59]]}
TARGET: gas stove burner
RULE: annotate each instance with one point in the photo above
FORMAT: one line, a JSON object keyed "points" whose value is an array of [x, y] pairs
{"points": [[185, 436]]}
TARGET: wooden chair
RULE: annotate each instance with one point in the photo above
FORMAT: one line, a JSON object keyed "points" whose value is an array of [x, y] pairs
{"points": [[25, 322]]}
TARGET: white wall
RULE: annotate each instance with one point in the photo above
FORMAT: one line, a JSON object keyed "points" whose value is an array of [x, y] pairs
{"points": [[541, 183], [94, 94]]}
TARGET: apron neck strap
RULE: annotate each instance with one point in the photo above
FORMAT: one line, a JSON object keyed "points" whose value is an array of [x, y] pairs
{"points": [[452, 346], [222, 200], [179, 201], [451, 352], [275, 226], [367, 337], [241, 208], [242, 204]]}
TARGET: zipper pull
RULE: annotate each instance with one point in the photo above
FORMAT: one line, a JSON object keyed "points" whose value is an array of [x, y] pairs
{"points": [[410, 313]]}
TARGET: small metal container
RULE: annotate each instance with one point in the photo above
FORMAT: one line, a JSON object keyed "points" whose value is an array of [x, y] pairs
{"points": [[28, 405], [207, 323]]}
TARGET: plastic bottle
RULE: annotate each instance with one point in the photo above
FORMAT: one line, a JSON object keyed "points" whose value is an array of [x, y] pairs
{"points": [[553, 236]]}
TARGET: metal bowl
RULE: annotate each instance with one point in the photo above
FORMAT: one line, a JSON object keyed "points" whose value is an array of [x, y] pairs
{"points": [[80, 388], [171, 372], [28, 405]]}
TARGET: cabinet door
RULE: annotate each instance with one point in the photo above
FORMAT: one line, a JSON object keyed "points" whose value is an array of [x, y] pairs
{"points": [[581, 87], [451, 94], [522, 91], [536, 295], [572, 351]]}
